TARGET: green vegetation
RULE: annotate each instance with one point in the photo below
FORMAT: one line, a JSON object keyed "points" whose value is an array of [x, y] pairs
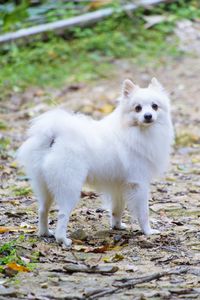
{"points": [[85, 54], [3, 126], [10, 253], [22, 191], [4, 144], [26, 13]]}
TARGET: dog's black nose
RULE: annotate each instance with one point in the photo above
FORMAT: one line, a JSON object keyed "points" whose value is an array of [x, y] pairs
{"points": [[148, 117]]}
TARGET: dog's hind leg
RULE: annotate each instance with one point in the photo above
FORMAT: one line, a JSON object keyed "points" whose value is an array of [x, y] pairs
{"points": [[67, 196], [44, 201], [65, 174], [66, 201], [66, 190]]}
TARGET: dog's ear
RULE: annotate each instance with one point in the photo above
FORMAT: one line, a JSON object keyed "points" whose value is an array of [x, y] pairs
{"points": [[156, 84], [128, 88]]}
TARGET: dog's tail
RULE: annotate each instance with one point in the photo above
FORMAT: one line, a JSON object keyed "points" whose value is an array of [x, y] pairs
{"points": [[41, 137]]}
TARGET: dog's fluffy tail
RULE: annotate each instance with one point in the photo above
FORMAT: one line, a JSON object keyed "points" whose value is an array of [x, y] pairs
{"points": [[41, 136]]}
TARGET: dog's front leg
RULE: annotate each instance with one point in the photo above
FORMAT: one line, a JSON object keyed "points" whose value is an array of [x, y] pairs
{"points": [[118, 206], [137, 196]]}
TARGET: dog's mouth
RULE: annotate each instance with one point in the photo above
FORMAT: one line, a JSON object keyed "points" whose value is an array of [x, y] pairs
{"points": [[148, 121]]}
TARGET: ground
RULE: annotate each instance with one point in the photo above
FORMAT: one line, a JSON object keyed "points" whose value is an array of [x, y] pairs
{"points": [[174, 204]]}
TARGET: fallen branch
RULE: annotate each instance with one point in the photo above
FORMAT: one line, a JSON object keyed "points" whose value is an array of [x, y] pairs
{"points": [[16, 198], [127, 283], [82, 20], [71, 268]]}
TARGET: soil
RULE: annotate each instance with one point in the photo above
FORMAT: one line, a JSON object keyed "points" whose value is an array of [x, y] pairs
{"points": [[174, 204]]}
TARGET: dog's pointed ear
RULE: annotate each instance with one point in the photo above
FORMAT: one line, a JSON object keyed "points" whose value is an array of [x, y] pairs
{"points": [[156, 84], [128, 88]]}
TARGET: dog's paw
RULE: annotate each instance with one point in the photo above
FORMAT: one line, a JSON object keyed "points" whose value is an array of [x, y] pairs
{"points": [[67, 243], [120, 226], [48, 233], [152, 231], [64, 241]]}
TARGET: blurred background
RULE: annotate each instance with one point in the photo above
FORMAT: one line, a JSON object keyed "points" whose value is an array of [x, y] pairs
{"points": [[86, 52]]}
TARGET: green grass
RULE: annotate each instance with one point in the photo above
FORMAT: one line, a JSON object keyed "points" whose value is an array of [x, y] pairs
{"points": [[4, 145], [22, 191], [88, 54], [10, 253]]}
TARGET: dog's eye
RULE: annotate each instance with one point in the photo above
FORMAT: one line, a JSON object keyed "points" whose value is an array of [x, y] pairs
{"points": [[138, 108], [154, 106]]}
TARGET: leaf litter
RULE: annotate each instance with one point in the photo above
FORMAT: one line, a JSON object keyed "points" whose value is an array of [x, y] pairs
{"points": [[175, 210]]}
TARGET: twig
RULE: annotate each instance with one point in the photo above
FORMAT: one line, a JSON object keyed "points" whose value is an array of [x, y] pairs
{"points": [[127, 283], [82, 20], [16, 198], [23, 247], [71, 268]]}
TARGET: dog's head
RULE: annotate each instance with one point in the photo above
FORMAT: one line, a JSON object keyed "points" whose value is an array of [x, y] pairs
{"points": [[143, 106]]}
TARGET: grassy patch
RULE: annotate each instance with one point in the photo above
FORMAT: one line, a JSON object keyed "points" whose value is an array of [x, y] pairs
{"points": [[88, 53], [22, 191], [4, 145], [10, 255], [3, 125]]}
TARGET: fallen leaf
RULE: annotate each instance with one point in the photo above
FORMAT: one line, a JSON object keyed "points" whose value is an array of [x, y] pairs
{"points": [[106, 109], [26, 225], [116, 248], [172, 179], [14, 165], [100, 249], [15, 267], [117, 257], [77, 242], [98, 3]]}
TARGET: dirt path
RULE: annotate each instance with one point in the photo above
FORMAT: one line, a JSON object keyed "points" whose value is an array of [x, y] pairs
{"points": [[175, 206]]}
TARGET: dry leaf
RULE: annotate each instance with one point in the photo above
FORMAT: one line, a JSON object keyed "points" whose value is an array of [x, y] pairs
{"points": [[15, 267], [106, 109], [100, 249], [117, 257], [98, 3], [14, 165]]}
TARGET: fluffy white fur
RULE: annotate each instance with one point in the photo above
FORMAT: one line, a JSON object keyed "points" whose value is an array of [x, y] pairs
{"points": [[119, 155]]}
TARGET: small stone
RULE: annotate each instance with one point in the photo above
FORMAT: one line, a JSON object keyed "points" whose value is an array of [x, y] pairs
{"points": [[44, 285], [8, 292], [131, 268], [79, 234], [117, 238]]}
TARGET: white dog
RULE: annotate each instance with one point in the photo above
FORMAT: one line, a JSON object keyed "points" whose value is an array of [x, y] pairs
{"points": [[119, 155]]}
